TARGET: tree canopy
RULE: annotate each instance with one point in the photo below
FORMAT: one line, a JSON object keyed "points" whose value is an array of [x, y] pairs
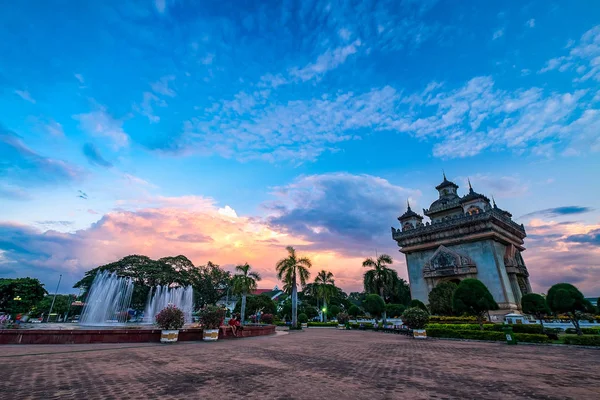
{"points": [[440, 298], [379, 277], [289, 270], [565, 298], [535, 304], [374, 305], [473, 297], [20, 295]]}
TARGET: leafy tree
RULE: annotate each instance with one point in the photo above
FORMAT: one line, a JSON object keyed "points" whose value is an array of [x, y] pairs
{"points": [[62, 304], [440, 298], [262, 303], [394, 310], [333, 310], [535, 304], [415, 318], [244, 281], [325, 289], [354, 310], [357, 298], [20, 295], [473, 297], [303, 318], [374, 305], [399, 293], [210, 283], [289, 269], [418, 304], [565, 298], [379, 277]]}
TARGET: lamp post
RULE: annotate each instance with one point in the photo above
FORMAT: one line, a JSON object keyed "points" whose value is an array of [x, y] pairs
{"points": [[54, 299]]}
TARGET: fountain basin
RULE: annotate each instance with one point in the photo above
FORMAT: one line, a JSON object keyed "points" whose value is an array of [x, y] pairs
{"points": [[110, 335]]}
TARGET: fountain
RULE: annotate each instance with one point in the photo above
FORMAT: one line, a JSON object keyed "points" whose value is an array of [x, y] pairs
{"points": [[108, 300], [161, 296]]}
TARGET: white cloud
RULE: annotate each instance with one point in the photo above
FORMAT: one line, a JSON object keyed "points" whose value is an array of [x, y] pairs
{"points": [[208, 59], [583, 57], [345, 34], [101, 123], [161, 5], [162, 86], [228, 212], [530, 23], [325, 62], [25, 95], [498, 34], [79, 77], [146, 106]]}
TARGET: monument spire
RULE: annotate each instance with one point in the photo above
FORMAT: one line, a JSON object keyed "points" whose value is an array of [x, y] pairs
{"points": [[470, 187]]}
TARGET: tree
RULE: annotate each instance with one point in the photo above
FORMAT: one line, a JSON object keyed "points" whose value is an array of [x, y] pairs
{"points": [[473, 297], [62, 304], [325, 289], [354, 310], [418, 304], [21, 294], [289, 269], [565, 298], [380, 277], [535, 304], [357, 298], [374, 305], [415, 318], [333, 311], [262, 303], [244, 281], [440, 298], [399, 292], [210, 283], [394, 310]]}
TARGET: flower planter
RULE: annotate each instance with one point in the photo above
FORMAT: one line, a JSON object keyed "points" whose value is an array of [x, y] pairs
{"points": [[304, 325], [419, 333], [210, 335], [169, 336], [342, 327]]}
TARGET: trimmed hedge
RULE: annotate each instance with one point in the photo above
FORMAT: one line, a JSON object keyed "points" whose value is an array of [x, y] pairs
{"points": [[585, 340], [323, 324], [452, 320], [517, 328], [484, 335], [586, 331], [367, 325]]}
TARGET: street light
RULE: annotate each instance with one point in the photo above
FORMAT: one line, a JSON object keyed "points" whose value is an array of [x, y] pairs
{"points": [[17, 298]]}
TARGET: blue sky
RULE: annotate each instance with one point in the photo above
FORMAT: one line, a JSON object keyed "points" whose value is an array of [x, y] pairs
{"points": [[280, 113]]}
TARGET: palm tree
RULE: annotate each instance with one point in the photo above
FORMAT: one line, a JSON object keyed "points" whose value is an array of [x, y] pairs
{"points": [[325, 289], [380, 277], [288, 270], [244, 282]]}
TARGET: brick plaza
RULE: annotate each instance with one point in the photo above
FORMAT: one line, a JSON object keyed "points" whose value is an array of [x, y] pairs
{"points": [[314, 364]]}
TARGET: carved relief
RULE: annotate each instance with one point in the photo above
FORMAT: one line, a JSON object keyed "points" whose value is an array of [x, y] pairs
{"points": [[446, 262]]}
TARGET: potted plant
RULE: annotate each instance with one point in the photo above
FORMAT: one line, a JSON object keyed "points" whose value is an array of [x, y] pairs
{"points": [[303, 319], [416, 319], [211, 318], [343, 319], [170, 320]]}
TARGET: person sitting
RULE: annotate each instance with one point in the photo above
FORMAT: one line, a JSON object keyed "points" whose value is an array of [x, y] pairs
{"points": [[235, 324]]}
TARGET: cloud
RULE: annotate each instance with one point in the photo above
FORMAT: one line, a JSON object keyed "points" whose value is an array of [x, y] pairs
{"points": [[559, 211], [342, 212], [583, 58], [11, 192], [498, 186], [146, 107], [79, 77], [498, 34], [101, 123], [161, 5], [22, 167], [162, 86], [327, 61], [50, 224], [530, 23], [94, 157], [25, 95], [591, 237]]}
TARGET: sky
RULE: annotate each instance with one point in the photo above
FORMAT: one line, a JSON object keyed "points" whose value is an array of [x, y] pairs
{"points": [[225, 131]]}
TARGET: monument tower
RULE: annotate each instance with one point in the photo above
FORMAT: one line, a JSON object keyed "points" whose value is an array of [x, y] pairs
{"points": [[467, 237]]}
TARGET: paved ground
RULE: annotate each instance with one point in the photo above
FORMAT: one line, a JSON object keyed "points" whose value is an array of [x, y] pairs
{"points": [[314, 364]]}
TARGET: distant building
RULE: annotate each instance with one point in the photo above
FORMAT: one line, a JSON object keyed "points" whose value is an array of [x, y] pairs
{"points": [[468, 237]]}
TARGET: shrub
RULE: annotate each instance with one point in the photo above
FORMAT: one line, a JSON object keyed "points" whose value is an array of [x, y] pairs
{"points": [[473, 297], [333, 310], [303, 318], [342, 318], [323, 324], [517, 328], [440, 298], [583, 340], [484, 335], [566, 298], [586, 331], [267, 318], [212, 317], [418, 304], [394, 310], [170, 318], [415, 318], [354, 310], [374, 305], [453, 320]]}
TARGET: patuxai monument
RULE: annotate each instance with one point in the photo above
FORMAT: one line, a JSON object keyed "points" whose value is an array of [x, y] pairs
{"points": [[467, 237]]}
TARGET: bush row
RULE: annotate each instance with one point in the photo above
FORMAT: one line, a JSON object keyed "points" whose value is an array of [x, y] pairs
{"points": [[452, 320], [518, 328], [586, 331], [322, 324], [484, 335], [585, 340]]}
